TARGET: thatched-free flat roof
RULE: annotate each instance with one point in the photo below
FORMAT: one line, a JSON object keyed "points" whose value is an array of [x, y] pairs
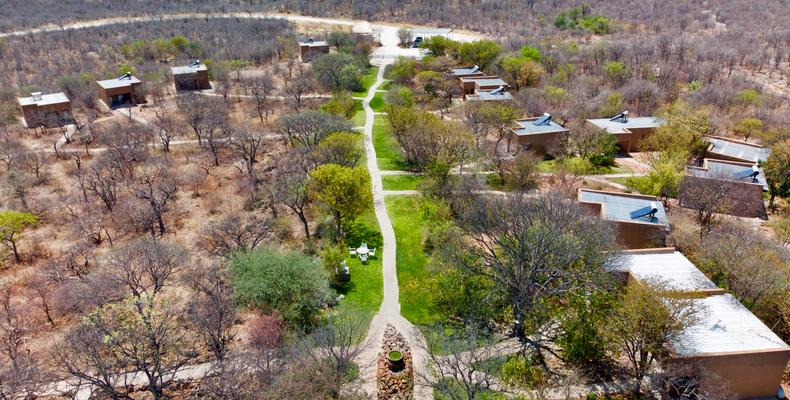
{"points": [[727, 170], [188, 69], [735, 149], [123, 81], [619, 127], [667, 266], [44, 99]]}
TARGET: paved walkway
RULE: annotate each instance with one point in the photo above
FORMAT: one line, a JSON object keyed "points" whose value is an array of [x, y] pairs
{"points": [[389, 312]]}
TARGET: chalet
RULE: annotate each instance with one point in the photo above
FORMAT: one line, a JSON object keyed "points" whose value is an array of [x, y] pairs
{"points": [[191, 77], [48, 110], [734, 150], [727, 343], [481, 83], [640, 220], [120, 91], [311, 48], [542, 135], [741, 184], [498, 94], [630, 131]]}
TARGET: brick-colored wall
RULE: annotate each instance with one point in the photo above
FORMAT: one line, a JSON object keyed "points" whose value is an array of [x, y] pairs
{"points": [[741, 199]]}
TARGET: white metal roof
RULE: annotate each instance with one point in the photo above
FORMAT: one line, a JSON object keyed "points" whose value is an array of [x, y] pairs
{"points": [[118, 82], [617, 127], [188, 69], [669, 267], [45, 99], [726, 326]]}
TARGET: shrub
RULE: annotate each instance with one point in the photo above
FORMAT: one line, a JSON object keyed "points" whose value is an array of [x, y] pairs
{"points": [[518, 370], [294, 285]]}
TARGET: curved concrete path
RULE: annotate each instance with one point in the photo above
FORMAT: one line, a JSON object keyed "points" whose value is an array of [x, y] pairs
{"points": [[389, 312]]}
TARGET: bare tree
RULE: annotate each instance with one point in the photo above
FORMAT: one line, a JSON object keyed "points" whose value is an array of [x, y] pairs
{"points": [[537, 249], [235, 232], [297, 85], [211, 310], [260, 89], [143, 266], [165, 128], [156, 186], [308, 127], [289, 188], [20, 374], [709, 197], [247, 143], [458, 372]]}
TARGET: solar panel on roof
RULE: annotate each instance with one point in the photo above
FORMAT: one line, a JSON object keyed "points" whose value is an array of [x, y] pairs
{"points": [[498, 90], [645, 211], [746, 173], [544, 120]]}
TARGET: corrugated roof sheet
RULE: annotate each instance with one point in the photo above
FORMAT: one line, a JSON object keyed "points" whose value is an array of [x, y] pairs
{"points": [[726, 325], [46, 99], [670, 267], [743, 151], [716, 169], [118, 82], [619, 206], [527, 127], [189, 69], [617, 127]]}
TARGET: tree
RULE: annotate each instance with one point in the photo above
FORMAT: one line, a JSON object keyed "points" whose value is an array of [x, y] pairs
{"points": [[290, 188], [341, 104], [616, 72], [309, 127], [439, 46], [211, 310], [708, 197], [21, 375], [338, 71], [399, 96], [404, 37], [141, 333], [234, 233], [537, 250], [402, 71], [341, 148], [260, 89], [290, 283], [644, 323], [165, 127], [777, 171], [481, 53], [522, 71], [592, 144], [143, 267], [157, 188], [458, 372], [297, 85], [748, 127], [246, 143], [12, 224], [344, 192]]}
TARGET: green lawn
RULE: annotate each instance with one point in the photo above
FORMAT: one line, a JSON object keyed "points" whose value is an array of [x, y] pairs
{"points": [[377, 103], [366, 289], [622, 181], [580, 167], [359, 118], [367, 81], [388, 151], [385, 85], [413, 276], [401, 182]]}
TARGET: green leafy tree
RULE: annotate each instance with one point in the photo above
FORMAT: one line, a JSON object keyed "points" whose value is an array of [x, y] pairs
{"points": [[644, 323], [344, 192], [481, 53], [748, 127], [616, 72], [440, 46], [777, 171], [530, 53], [521, 71], [292, 284], [402, 71], [582, 340], [597, 24], [399, 95], [662, 180], [614, 104], [341, 104], [12, 224], [680, 134], [338, 71], [341, 148]]}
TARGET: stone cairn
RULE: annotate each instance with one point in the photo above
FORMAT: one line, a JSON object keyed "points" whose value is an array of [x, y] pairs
{"points": [[395, 379]]}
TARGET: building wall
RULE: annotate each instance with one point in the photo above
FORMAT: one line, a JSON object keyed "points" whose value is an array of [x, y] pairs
{"points": [[746, 375], [132, 90], [308, 52], [633, 235], [630, 142], [743, 199], [47, 115], [194, 81], [547, 143]]}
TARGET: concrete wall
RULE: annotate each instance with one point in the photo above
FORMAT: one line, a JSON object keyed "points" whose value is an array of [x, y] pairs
{"points": [[194, 81], [132, 90], [743, 199], [49, 115], [546, 143], [745, 375], [308, 52], [635, 235], [630, 142]]}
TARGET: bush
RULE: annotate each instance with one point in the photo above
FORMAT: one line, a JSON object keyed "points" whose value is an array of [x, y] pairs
{"points": [[581, 341], [294, 285], [518, 370]]}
